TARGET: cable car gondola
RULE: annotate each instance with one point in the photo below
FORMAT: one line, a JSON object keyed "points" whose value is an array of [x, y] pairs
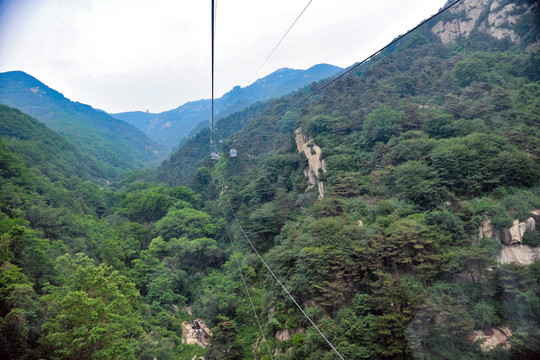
{"points": [[213, 156], [233, 153]]}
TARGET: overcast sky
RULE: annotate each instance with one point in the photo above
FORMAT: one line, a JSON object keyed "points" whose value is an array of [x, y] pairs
{"points": [[127, 55]]}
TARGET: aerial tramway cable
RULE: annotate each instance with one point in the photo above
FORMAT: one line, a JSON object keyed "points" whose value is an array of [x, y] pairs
{"points": [[212, 116], [225, 192], [272, 273], [348, 70], [279, 42], [245, 284], [214, 157]]}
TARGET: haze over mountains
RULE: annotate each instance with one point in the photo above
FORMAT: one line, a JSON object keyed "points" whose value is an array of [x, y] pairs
{"points": [[169, 127]]}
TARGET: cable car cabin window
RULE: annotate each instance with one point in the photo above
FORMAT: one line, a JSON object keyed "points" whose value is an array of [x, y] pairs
{"points": [[233, 153]]}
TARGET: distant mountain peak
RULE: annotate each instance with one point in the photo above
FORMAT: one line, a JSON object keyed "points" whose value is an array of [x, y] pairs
{"points": [[170, 127]]}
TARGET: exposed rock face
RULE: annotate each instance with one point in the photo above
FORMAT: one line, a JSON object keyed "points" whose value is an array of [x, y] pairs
{"points": [[493, 337], [313, 155], [513, 250], [498, 23], [450, 31], [187, 309], [486, 229], [513, 235], [196, 332], [518, 253]]}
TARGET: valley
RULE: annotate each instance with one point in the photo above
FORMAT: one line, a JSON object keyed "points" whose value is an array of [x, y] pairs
{"points": [[398, 207]]}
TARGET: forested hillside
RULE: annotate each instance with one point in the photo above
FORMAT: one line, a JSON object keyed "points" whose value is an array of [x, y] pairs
{"points": [[420, 149], [86, 273], [168, 128], [43, 149], [399, 208], [115, 145]]}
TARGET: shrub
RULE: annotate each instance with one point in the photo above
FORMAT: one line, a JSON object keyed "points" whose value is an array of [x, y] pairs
{"points": [[531, 238]]}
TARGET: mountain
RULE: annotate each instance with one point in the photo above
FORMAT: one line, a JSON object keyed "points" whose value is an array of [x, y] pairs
{"points": [[115, 144], [43, 149], [400, 207], [169, 127], [486, 23]]}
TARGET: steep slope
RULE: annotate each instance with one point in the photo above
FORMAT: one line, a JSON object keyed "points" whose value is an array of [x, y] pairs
{"points": [[420, 149], [116, 145], [43, 149], [169, 127], [432, 158]]}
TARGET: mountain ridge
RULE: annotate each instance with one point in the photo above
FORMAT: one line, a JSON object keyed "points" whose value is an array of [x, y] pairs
{"points": [[114, 143], [170, 127], [43, 148]]}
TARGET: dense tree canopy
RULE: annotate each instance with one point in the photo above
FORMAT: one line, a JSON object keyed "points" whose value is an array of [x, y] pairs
{"points": [[421, 146]]}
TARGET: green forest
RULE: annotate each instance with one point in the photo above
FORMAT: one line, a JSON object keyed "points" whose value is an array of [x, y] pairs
{"points": [[114, 145], [423, 145]]}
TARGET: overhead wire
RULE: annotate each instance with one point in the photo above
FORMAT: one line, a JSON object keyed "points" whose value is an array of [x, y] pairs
{"points": [[279, 42], [348, 70], [214, 2], [273, 274], [225, 191], [456, 109], [214, 23], [245, 283]]}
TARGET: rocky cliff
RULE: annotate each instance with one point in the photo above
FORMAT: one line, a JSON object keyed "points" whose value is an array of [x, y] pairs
{"points": [[313, 155], [494, 17], [509, 236], [511, 239], [518, 253]]}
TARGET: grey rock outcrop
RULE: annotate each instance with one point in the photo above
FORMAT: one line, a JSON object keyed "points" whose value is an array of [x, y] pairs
{"points": [[509, 236], [492, 17], [313, 155], [492, 338], [511, 239], [518, 253], [451, 30], [286, 334]]}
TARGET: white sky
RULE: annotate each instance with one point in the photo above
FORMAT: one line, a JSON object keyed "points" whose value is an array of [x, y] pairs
{"points": [[127, 55]]}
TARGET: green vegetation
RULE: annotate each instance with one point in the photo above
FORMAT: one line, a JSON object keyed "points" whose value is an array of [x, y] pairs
{"points": [[420, 148], [85, 272], [112, 144]]}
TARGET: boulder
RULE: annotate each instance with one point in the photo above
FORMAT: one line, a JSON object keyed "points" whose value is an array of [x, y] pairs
{"points": [[512, 235]]}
